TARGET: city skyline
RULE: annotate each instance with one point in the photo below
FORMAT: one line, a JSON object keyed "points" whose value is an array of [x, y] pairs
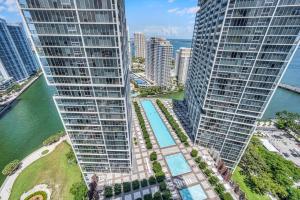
{"points": [[160, 25]]}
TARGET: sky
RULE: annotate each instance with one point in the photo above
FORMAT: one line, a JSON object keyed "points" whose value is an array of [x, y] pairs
{"points": [[165, 18]]}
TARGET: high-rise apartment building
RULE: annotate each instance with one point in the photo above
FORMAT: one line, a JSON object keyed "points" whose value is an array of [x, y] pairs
{"points": [[159, 61], [241, 49], [24, 48], [83, 48], [139, 45], [5, 80], [182, 60], [9, 55]]}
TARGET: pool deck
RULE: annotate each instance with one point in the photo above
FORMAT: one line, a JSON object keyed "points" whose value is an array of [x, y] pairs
{"points": [[185, 180]]}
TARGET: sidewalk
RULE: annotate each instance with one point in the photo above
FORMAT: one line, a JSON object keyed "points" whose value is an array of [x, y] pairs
{"points": [[9, 181]]}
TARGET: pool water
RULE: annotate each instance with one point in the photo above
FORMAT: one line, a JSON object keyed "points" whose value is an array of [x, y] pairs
{"points": [[177, 164], [193, 193], [159, 128]]}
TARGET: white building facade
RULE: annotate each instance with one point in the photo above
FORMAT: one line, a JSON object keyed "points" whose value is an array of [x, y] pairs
{"points": [[139, 45], [241, 49], [182, 60], [83, 48]]}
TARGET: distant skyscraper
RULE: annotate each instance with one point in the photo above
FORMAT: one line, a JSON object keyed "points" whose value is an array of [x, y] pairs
{"points": [[83, 47], [240, 51], [182, 59], [139, 45], [10, 56], [24, 48], [5, 80], [159, 61]]}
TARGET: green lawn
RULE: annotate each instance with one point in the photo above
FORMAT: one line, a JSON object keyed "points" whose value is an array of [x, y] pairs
{"points": [[52, 170], [239, 179], [172, 95]]}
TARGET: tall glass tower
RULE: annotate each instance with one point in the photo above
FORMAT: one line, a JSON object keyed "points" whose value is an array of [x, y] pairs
{"points": [[241, 48], [83, 48]]}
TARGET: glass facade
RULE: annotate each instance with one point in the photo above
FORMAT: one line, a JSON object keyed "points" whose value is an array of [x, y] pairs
{"points": [[241, 49], [9, 55], [83, 48], [24, 48]]}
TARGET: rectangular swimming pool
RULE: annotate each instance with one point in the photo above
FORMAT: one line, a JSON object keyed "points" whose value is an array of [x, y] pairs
{"points": [[159, 128], [177, 164], [193, 193]]}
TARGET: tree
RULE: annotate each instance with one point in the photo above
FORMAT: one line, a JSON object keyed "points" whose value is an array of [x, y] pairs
{"points": [[213, 180], [108, 192], [126, 187], [157, 196], [144, 183], [156, 167], [153, 156], [152, 180], [71, 157], [166, 195], [160, 176], [198, 159], [202, 165], [162, 186], [194, 153], [135, 184], [293, 194], [79, 191], [11, 167], [148, 197], [118, 188]]}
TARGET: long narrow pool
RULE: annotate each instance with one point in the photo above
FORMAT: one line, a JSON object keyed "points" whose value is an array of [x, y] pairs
{"points": [[159, 128]]}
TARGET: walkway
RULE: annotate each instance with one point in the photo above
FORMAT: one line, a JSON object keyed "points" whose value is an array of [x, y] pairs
{"points": [[6, 187]]}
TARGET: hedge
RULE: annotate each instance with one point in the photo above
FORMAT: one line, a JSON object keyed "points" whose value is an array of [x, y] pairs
{"points": [[108, 191], [54, 138], [142, 125], [118, 188], [135, 184], [194, 153], [153, 156], [126, 187], [42, 193], [144, 183], [182, 137], [11, 167]]}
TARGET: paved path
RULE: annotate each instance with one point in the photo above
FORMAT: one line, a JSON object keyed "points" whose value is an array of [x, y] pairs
{"points": [[9, 181]]}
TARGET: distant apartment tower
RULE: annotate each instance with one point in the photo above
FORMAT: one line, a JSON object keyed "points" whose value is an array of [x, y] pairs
{"points": [[159, 61], [24, 48], [240, 51], [182, 59], [5, 80], [9, 55], [83, 48], [139, 45]]}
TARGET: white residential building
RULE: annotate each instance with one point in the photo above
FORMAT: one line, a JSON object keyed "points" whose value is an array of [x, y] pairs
{"points": [[139, 45], [83, 48], [182, 60]]}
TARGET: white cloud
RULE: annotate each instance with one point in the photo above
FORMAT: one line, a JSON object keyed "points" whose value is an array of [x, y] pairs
{"points": [[9, 5], [169, 31], [171, 1], [184, 11]]}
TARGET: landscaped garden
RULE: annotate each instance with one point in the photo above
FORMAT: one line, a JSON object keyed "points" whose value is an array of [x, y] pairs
{"points": [[263, 172], [54, 170]]}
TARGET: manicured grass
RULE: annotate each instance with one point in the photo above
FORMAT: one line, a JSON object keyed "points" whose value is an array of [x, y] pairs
{"points": [[239, 179], [173, 95], [52, 170]]}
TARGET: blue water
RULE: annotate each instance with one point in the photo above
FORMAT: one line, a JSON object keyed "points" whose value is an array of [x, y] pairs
{"points": [[140, 81], [159, 128], [177, 164], [193, 193]]}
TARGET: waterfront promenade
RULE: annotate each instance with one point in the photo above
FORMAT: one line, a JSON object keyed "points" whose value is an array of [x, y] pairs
{"points": [[290, 87], [6, 187]]}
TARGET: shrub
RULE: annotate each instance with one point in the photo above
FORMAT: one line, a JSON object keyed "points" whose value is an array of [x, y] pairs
{"points": [[162, 186], [157, 196], [213, 180], [156, 167], [71, 157], [54, 138], [126, 187], [194, 153], [186, 144], [135, 184], [79, 190], [226, 196], [144, 183], [42, 193], [198, 159], [11, 167], [148, 197], [148, 145], [118, 188], [160, 176], [202, 165], [219, 188], [153, 156], [152, 180], [207, 172], [108, 192], [166, 195], [45, 152]]}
